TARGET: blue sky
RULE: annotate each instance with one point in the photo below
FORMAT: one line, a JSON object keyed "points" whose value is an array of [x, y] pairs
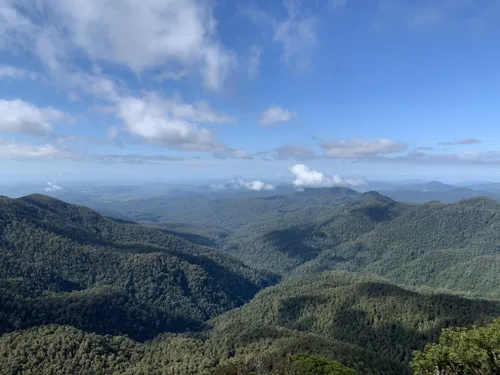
{"points": [[185, 89]]}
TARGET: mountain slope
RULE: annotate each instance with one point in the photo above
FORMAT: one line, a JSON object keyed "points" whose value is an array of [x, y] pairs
{"points": [[66, 264], [363, 322], [431, 244], [362, 311]]}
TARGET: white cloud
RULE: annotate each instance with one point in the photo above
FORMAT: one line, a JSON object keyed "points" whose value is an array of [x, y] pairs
{"points": [[251, 185], [21, 151], [360, 148], [254, 61], [297, 33], [148, 118], [275, 114], [147, 34], [164, 121], [52, 187], [13, 72], [20, 117], [305, 177], [10, 149], [200, 111]]}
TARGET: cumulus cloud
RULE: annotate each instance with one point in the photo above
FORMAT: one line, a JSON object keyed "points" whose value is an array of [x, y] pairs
{"points": [[359, 148], [52, 187], [463, 141], [147, 34], [177, 38], [275, 114], [251, 185], [150, 119], [20, 117], [305, 177], [169, 122]]}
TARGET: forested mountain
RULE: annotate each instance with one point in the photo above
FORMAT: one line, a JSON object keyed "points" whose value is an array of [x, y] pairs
{"points": [[364, 323], [66, 264], [364, 311], [432, 244], [86, 294]]}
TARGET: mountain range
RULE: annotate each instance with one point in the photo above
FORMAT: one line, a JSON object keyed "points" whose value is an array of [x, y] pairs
{"points": [[204, 282]]}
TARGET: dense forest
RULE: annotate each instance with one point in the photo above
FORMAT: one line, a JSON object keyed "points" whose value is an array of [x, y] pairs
{"points": [[66, 264], [325, 281], [431, 245]]}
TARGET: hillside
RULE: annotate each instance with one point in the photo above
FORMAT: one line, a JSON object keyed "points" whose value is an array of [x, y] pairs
{"points": [[66, 264], [432, 244], [362, 322], [103, 296], [363, 312]]}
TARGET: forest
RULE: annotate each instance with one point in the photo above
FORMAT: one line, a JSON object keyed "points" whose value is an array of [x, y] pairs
{"points": [[325, 281]]}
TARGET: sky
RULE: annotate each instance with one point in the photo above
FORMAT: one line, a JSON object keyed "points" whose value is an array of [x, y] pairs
{"points": [[158, 90]]}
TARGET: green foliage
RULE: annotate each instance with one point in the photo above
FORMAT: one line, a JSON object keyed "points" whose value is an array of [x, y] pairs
{"points": [[84, 294], [313, 365], [65, 264], [300, 364], [365, 312], [460, 351], [432, 244]]}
